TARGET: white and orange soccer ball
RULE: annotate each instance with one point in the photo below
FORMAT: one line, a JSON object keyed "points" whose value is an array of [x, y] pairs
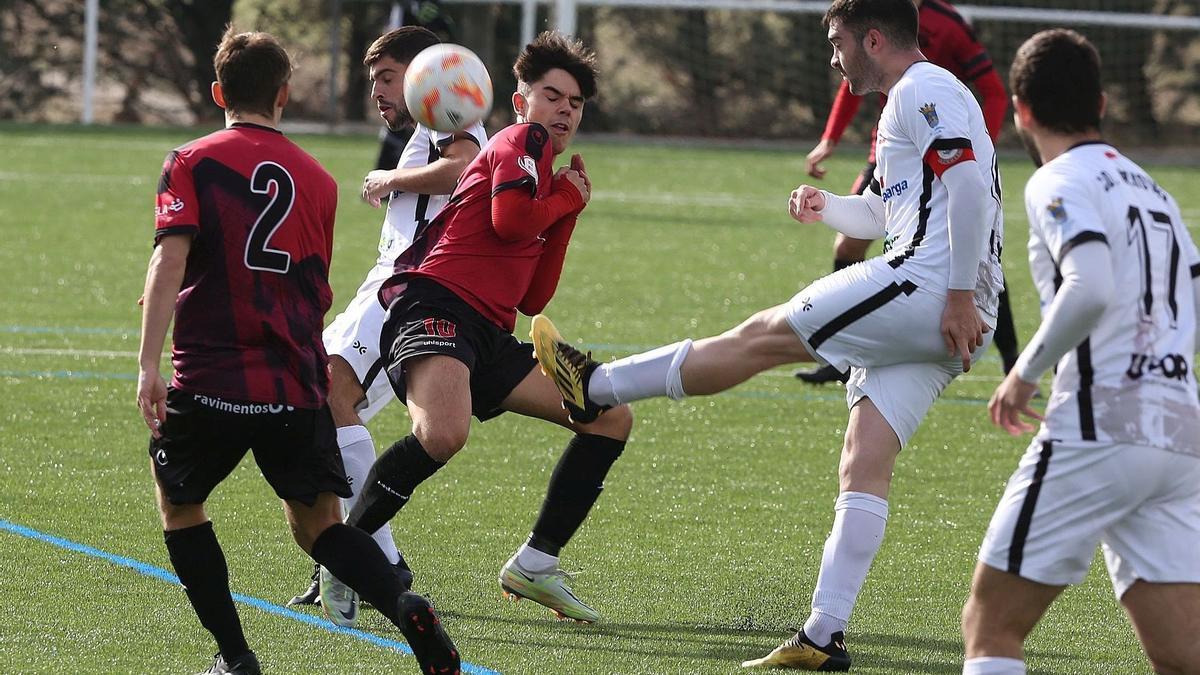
{"points": [[447, 88]]}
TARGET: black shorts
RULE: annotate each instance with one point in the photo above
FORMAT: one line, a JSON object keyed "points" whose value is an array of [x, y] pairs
{"points": [[205, 437], [427, 318]]}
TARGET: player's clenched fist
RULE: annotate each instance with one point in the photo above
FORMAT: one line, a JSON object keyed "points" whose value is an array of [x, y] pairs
{"points": [[806, 204], [576, 177]]}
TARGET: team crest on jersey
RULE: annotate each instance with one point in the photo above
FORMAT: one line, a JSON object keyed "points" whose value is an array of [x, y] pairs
{"points": [[948, 157], [929, 110], [528, 166], [1057, 211]]}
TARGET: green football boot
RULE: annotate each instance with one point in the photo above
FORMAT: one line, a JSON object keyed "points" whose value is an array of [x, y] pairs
{"points": [[547, 588]]}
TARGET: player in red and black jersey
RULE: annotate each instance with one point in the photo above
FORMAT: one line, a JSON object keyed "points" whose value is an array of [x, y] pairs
{"points": [[497, 249], [947, 40], [241, 260]]}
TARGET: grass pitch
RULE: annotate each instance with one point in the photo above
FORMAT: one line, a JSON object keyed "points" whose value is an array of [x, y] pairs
{"points": [[704, 548]]}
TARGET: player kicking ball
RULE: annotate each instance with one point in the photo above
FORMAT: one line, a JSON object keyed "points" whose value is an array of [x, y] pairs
{"points": [[495, 250], [905, 323], [1116, 462]]}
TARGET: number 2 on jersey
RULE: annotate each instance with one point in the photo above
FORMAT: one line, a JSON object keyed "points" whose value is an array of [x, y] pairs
{"points": [[1161, 225], [259, 255]]}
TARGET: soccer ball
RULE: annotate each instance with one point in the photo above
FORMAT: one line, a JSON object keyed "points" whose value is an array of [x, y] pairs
{"points": [[447, 88]]}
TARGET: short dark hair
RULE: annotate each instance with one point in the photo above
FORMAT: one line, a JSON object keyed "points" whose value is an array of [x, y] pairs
{"points": [[402, 44], [1057, 74], [251, 69], [896, 19], [552, 50]]}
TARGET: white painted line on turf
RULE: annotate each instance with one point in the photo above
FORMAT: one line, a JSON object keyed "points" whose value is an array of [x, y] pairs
{"points": [[54, 330], [163, 575], [119, 354], [48, 351]]}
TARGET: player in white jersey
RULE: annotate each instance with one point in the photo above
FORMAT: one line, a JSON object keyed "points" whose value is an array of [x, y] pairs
{"points": [[905, 323], [1116, 461], [420, 185]]}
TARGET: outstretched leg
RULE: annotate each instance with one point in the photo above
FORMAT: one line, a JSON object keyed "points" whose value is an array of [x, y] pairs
{"points": [[686, 368]]}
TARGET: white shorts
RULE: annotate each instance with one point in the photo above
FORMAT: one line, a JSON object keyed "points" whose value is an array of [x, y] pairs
{"points": [[354, 336], [1142, 504], [887, 331]]}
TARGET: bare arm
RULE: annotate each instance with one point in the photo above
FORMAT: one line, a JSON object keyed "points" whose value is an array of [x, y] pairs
{"points": [[436, 178], [163, 279]]}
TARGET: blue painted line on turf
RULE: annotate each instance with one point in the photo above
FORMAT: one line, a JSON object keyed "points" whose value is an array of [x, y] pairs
{"points": [[163, 575]]}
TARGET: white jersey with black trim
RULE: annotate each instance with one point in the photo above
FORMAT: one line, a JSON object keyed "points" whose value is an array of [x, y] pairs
{"points": [[407, 210], [931, 122], [1132, 380]]}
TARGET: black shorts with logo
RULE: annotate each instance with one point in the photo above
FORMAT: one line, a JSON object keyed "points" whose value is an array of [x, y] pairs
{"points": [[427, 318], [205, 437]]}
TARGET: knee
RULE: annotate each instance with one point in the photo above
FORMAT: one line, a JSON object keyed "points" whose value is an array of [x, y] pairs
{"points": [[615, 423], [853, 470], [181, 516], [442, 441], [766, 338], [307, 524], [345, 393], [306, 533], [986, 629], [970, 621]]}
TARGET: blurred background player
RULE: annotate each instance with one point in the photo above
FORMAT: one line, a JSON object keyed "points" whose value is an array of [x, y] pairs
{"points": [[947, 40], [905, 323], [1116, 461], [495, 250], [426, 14], [243, 239], [419, 186]]}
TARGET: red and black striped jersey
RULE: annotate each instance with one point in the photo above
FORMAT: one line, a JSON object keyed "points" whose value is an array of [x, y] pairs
{"points": [[250, 311]]}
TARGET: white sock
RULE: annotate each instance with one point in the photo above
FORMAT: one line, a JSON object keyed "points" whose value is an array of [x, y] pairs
{"points": [[858, 522], [534, 560], [358, 454], [993, 665], [645, 375]]}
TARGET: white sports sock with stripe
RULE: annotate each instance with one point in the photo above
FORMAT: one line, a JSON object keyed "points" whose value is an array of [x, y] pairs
{"points": [[646, 375]]}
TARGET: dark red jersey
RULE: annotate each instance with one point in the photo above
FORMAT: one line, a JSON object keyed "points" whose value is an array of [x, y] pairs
{"points": [[947, 40], [256, 288], [487, 244]]}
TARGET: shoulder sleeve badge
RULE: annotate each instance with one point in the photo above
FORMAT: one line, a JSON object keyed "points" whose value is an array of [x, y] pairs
{"points": [[929, 110]]}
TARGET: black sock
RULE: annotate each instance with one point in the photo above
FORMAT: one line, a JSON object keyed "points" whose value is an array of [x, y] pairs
{"points": [[390, 483], [200, 565], [1006, 333], [355, 559], [574, 487], [842, 263]]}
